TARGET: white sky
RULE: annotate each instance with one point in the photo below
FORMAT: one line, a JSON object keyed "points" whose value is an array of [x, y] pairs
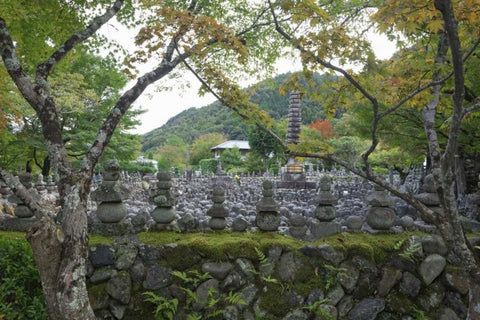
{"points": [[161, 106]]}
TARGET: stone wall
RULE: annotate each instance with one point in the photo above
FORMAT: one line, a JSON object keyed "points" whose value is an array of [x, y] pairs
{"points": [[269, 276]]}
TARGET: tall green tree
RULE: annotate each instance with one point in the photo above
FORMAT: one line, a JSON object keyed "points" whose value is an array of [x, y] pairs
{"points": [[210, 37], [200, 148]]}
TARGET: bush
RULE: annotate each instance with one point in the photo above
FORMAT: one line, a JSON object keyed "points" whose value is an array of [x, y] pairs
{"points": [[21, 294], [137, 167], [208, 165]]}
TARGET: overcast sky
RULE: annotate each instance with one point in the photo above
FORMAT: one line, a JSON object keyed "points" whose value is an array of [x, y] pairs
{"points": [[161, 106]]}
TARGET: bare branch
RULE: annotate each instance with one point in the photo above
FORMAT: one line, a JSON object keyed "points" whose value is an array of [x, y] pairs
{"points": [[236, 110], [471, 109], [44, 69], [427, 214]]}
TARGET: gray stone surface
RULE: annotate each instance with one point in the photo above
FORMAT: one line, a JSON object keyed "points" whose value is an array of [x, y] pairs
{"points": [[156, 277], [217, 270], [367, 309], [390, 277], [102, 274], [119, 287], [410, 285], [431, 267], [101, 255]]}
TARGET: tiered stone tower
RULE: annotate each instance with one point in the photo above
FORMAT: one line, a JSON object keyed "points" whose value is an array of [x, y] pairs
{"points": [[162, 197], [217, 212], [267, 209], [380, 214], [110, 194], [293, 176], [323, 224]]}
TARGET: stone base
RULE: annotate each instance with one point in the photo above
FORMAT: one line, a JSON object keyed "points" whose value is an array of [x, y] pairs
{"points": [[320, 229], [298, 232], [8, 223], [109, 229], [164, 227], [217, 223], [111, 212], [295, 181], [267, 221]]}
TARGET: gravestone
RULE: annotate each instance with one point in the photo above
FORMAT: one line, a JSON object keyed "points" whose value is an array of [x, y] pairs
{"points": [[162, 197], [322, 224], [380, 214], [429, 196], [217, 212], [110, 193], [267, 209]]}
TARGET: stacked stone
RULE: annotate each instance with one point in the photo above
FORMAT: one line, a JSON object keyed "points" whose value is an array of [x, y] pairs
{"points": [[217, 212], [298, 227], [380, 214], [323, 224], [429, 196], [110, 193], [50, 185], [162, 197], [267, 209], [21, 210], [294, 118], [4, 189], [40, 185]]}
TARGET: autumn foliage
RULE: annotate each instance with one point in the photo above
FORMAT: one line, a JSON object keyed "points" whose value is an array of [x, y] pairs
{"points": [[324, 127]]}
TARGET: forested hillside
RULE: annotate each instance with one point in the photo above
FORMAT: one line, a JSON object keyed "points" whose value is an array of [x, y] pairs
{"points": [[216, 118]]}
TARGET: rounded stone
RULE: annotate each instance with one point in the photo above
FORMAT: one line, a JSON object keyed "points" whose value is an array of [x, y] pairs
{"points": [[239, 225], [325, 213], [218, 191], [163, 215], [217, 223], [325, 183], [297, 221], [429, 184], [354, 222], [22, 211], [407, 222], [111, 212], [163, 176], [381, 218], [268, 221], [267, 185], [164, 185]]}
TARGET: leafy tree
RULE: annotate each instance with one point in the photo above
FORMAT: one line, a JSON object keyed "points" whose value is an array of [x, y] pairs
{"points": [[324, 127], [427, 74], [254, 162], [231, 158], [201, 147], [202, 36], [263, 143]]}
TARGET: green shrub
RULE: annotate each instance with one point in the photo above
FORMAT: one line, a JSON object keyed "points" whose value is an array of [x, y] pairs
{"points": [[137, 167], [21, 294], [208, 165]]}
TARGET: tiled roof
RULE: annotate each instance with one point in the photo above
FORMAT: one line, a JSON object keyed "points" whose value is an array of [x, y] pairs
{"points": [[230, 144]]}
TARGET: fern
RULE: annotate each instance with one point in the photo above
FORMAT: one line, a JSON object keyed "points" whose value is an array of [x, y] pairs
{"points": [[399, 244], [318, 311], [331, 278], [262, 258], [165, 308], [234, 299], [194, 316], [411, 250]]}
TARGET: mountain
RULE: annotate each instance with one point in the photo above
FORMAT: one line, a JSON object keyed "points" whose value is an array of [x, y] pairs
{"points": [[194, 122]]}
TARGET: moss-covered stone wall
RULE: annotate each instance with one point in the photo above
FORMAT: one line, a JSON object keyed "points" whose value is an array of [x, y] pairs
{"points": [[269, 276]]}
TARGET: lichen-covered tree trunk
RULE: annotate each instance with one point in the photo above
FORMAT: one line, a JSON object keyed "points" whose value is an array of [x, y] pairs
{"points": [[60, 255]]}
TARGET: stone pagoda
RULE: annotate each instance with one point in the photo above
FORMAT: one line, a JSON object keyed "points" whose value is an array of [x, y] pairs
{"points": [[293, 176], [110, 193], [267, 209], [162, 197], [217, 212], [323, 224], [380, 214]]}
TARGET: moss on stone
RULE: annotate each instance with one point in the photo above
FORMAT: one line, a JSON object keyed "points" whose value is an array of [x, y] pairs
{"points": [[12, 235]]}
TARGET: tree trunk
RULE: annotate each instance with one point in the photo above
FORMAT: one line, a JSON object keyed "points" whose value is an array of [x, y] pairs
{"points": [[61, 260]]}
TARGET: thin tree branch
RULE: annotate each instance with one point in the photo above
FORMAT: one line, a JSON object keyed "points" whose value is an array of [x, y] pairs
{"points": [[44, 69]]}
